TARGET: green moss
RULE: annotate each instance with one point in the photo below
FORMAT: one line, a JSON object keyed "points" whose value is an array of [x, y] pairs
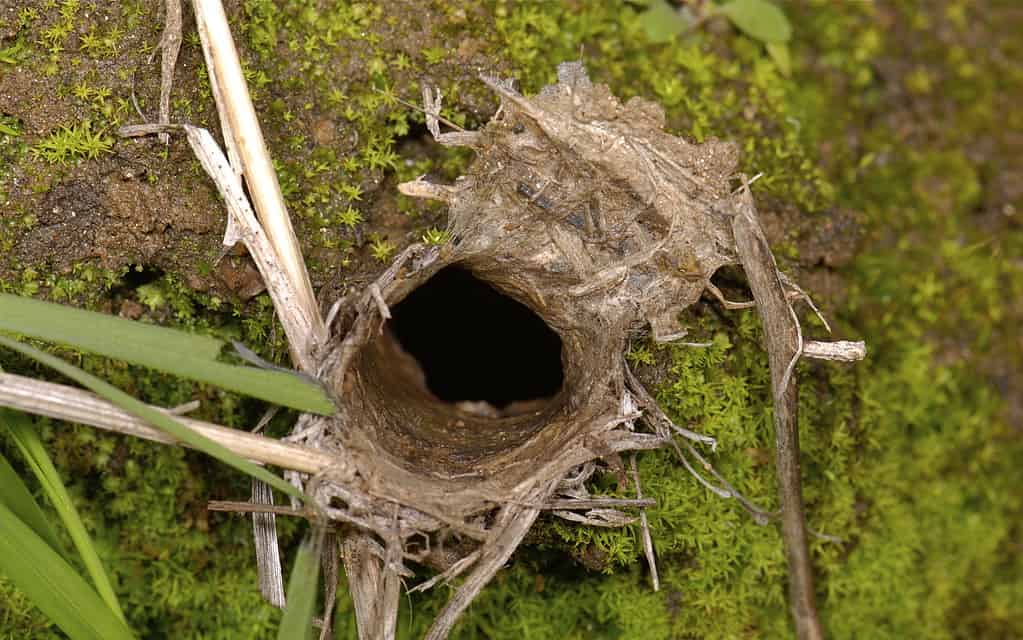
{"points": [[12, 149], [347, 69], [381, 248], [19, 618], [76, 142]]}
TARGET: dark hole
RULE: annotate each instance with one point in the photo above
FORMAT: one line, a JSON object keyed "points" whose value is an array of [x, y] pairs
{"points": [[732, 282], [139, 275], [474, 343]]}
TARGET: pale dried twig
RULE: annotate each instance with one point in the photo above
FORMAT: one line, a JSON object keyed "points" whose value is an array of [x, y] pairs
{"points": [[784, 345], [75, 405], [804, 296], [301, 324], [841, 350], [268, 559], [169, 45], [378, 298], [450, 573], [598, 503], [605, 518], [760, 515], [648, 544], [725, 302], [244, 136], [431, 110], [421, 188]]}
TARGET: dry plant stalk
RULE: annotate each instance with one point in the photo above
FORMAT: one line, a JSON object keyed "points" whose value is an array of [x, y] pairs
{"points": [[169, 45], [784, 346], [70, 404], [248, 154]]}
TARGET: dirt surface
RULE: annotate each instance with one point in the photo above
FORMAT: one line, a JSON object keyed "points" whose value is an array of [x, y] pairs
{"points": [[143, 204]]}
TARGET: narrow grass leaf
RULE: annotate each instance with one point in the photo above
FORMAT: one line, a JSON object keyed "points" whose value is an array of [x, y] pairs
{"points": [[157, 419], [177, 352], [31, 447], [758, 19], [16, 497], [302, 586], [52, 585], [99, 332]]}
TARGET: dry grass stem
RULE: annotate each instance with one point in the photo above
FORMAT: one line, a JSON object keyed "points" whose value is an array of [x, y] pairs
{"points": [[75, 405], [648, 544], [169, 45], [302, 324], [784, 340], [244, 137], [268, 556]]}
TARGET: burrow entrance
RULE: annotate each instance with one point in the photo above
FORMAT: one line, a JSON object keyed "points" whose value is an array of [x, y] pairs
{"points": [[460, 375], [477, 345]]}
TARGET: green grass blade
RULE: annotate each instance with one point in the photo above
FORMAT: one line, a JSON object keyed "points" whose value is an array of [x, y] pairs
{"points": [[16, 497], [302, 589], [100, 332], [180, 353], [31, 447], [152, 416], [53, 585]]}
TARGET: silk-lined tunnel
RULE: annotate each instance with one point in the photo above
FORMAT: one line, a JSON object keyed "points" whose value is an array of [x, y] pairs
{"points": [[460, 373]]}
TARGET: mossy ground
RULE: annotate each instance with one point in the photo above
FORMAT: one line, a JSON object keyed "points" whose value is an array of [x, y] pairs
{"points": [[891, 189]]}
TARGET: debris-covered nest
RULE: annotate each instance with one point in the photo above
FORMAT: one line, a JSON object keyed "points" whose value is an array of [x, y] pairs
{"points": [[585, 212]]}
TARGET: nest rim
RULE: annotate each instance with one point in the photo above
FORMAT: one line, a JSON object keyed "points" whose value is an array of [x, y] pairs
{"points": [[509, 450]]}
